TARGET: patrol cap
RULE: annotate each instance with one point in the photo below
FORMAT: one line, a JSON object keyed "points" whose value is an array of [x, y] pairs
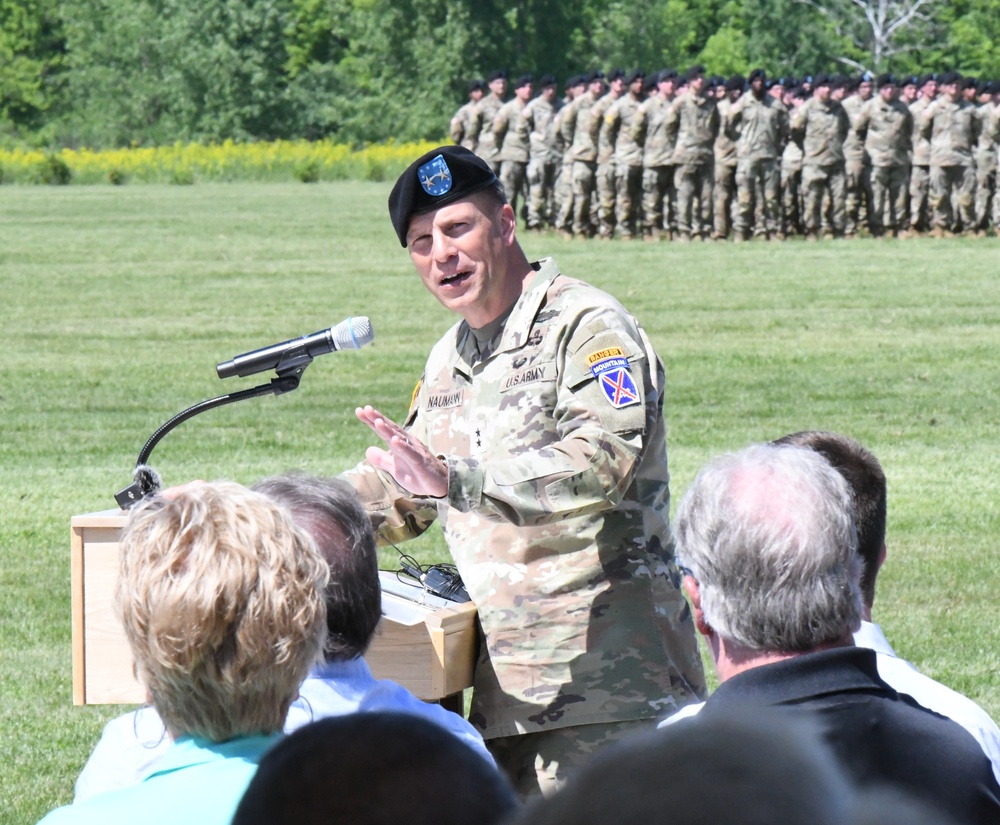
{"points": [[442, 176], [547, 80], [737, 81], [498, 74], [523, 80], [634, 75], [616, 74], [758, 74]]}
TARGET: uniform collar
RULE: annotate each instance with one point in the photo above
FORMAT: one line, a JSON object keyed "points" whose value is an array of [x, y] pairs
{"points": [[515, 331]]}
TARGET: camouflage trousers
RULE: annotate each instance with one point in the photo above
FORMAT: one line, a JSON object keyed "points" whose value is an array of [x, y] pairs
{"points": [[659, 200], [920, 177], [889, 194], [693, 182], [819, 182], [857, 195], [986, 202], [538, 764], [722, 199], [564, 198], [584, 181], [758, 190], [606, 195], [541, 191], [514, 177], [952, 197], [628, 183], [791, 199]]}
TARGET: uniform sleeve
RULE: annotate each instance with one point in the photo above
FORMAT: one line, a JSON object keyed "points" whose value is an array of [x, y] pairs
{"points": [[599, 445]]}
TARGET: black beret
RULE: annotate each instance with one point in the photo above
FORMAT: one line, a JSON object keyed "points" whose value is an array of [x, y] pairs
{"points": [[821, 80], [864, 78], [693, 72], [547, 80], [634, 75], [912, 80], [616, 74], [523, 80], [477, 84], [650, 82], [758, 74], [968, 83], [927, 78], [949, 77], [668, 74], [498, 74], [737, 81], [442, 176], [597, 74], [884, 79]]}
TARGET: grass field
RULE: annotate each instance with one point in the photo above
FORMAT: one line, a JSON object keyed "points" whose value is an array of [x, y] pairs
{"points": [[118, 302]]}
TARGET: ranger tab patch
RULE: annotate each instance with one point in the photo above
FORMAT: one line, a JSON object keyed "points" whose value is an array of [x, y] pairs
{"points": [[435, 176], [611, 368]]}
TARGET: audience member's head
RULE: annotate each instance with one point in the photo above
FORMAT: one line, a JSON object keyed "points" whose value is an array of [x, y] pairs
{"points": [[374, 769], [767, 539], [740, 767], [329, 510], [221, 597], [866, 479]]}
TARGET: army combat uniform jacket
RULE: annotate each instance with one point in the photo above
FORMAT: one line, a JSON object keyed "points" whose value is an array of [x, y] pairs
{"points": [[556, 512]]}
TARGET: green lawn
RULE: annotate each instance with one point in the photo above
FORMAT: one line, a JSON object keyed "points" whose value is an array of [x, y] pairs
{"points": [[118, 302]]}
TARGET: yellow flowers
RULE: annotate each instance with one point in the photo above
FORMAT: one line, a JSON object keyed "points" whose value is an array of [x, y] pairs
{"points": [[184, 163]]}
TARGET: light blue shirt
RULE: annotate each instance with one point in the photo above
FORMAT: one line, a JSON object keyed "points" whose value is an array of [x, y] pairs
{"points": [[195, 782], [132, 745]]}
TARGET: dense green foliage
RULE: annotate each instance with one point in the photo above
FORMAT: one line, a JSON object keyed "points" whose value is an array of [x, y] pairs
{"points": [[107, 73], [119, 301]]}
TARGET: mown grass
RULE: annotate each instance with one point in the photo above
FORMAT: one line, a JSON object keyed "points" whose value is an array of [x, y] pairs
{"points": [[119, 301]]}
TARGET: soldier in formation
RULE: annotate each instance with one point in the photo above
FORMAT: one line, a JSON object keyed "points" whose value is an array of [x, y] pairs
{"points": [[686, 156]]}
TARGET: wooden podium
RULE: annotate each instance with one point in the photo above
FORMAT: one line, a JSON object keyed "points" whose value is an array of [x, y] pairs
{"points": [[423, 642]]}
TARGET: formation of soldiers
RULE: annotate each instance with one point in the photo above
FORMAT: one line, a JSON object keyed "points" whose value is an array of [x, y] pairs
{"points": [[692, 157]]}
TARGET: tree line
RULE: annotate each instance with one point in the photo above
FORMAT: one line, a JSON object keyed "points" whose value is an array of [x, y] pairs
{"points": [[108, 73]]}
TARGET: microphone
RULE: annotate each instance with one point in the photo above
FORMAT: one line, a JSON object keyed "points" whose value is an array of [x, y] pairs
{"points": [[354, 333]]}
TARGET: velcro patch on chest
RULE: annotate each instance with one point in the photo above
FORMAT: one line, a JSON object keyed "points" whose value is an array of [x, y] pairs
{"points": [[444, 400]]}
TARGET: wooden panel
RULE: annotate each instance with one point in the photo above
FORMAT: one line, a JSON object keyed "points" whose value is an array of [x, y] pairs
{"points": [[430, 649]]}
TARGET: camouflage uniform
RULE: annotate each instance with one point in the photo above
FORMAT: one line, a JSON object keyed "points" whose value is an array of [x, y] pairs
{"points": [[725, 168], [763, 132], [510, 131], [482, 130], [886, 127], [563, 190], [659, 197], [857, 184], [556, 512], [820, 128], [575, 129], [628, 164], [545, 158], [986, 165], [953, 128], [920, 168], [606, 190], [696, 120], [792, 208], [463, 125]]}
